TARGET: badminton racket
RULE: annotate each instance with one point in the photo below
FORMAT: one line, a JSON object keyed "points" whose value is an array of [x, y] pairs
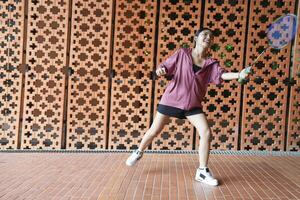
{"points": [[279, 34]]}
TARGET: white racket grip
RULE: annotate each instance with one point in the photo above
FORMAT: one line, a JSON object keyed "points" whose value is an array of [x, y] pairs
{"points": [[247, 71]]}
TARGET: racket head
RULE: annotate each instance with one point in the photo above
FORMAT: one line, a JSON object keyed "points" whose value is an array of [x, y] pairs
{"points": [[282, 31]]}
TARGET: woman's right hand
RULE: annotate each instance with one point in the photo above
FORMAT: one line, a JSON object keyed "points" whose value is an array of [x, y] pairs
{"points": [[161, 71], [243, 74]]}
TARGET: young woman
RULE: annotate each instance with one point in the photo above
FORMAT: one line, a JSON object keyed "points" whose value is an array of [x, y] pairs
{"points": [[192, 72]]}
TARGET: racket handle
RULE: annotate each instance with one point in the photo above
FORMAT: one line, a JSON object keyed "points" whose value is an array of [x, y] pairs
{"points": [[247, 71]]}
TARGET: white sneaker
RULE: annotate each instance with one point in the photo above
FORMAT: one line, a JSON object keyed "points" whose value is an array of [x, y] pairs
{"points": [[204, 176], [134, 157]]}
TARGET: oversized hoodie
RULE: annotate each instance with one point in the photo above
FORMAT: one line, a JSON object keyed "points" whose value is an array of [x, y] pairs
{"points": [[187, 89]]}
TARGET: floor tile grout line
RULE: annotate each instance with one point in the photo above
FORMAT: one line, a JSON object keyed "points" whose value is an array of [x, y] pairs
{"points": [[249, 171], [135, 172], [161, 179], [229, 168], [110, 179], [220, 166], [142, 170], [183, 174], [147, 176], [196, 167], [139, 167], [118, 185], [279, 182], [261, 182], [231, 164], [68, 176], [296, 167], [154, 179], [191, 175], [103, 179]]}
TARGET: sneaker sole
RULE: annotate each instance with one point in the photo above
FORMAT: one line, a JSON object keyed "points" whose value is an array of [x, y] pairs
{"points": [[203, 181], [129, 165]]}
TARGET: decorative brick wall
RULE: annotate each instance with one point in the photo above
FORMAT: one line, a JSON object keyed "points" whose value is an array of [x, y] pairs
{"points": [[79, 74]]}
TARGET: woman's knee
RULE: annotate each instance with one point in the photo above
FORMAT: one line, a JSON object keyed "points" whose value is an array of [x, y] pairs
{"points": [[154, 130], [158, 124], [205, 134]]}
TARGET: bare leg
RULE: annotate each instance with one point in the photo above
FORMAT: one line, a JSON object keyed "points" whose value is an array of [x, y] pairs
{"points": [[200, 123], [158, 124]]}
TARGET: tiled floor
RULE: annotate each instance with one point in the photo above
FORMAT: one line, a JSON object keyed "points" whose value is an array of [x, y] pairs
{"points": [[157, 176]]}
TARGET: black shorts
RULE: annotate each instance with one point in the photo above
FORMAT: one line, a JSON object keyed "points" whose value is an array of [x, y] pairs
{"points": [[176, 112]]}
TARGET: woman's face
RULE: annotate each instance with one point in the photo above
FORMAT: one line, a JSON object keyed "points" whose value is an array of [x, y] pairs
{"points": [[204, 39]]}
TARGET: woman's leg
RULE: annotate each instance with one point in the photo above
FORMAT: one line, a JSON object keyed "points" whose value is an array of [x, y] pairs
{"points": [[203, 173], [201, 125], [158, 124]]}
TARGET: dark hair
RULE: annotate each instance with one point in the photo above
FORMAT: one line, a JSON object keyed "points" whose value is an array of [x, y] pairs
{"points": [[202, 29]]}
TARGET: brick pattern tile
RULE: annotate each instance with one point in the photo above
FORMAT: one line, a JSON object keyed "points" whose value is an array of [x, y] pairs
{"points": [[103, 176]]}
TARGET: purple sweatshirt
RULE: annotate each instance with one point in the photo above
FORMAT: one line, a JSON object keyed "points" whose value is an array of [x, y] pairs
{"points": [[187, 89]]}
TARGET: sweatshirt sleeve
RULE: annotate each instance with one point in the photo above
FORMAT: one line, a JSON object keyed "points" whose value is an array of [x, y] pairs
{"points": [[170, 63], [216, 74]]}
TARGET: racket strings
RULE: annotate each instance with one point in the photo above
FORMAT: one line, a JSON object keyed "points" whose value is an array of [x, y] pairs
{"points": [[282, 31]]}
